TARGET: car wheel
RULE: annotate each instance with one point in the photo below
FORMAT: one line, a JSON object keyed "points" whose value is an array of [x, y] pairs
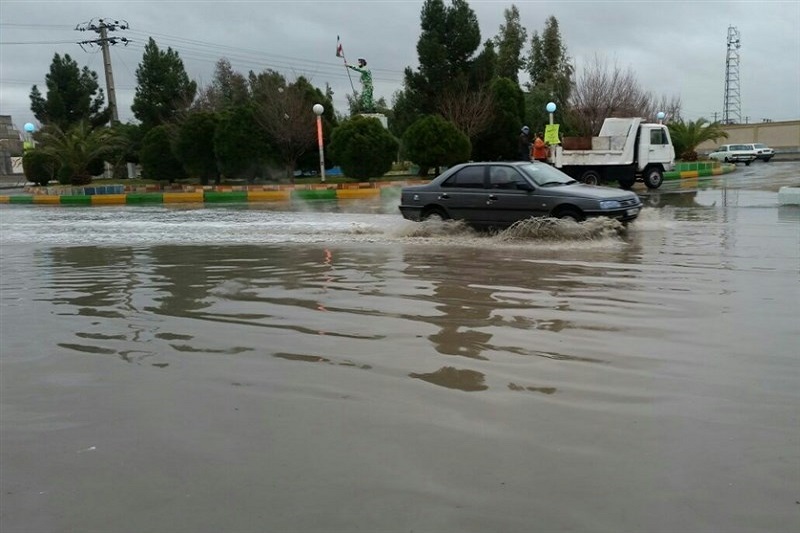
{"points": [[766, 159], [653, 177], [590, 177], [727, 160], [568, 213], [747, 163], [433, 213]]}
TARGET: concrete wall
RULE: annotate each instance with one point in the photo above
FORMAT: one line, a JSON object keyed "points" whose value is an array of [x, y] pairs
{"points": [[783, 137]]}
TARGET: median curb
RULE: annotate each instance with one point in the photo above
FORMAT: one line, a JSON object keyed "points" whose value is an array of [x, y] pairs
{"points": [[90, 195], [700, 169]]}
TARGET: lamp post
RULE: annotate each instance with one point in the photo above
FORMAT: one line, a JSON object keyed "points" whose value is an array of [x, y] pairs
{"points": [[660, 116], [318, 110], [551, 108]]}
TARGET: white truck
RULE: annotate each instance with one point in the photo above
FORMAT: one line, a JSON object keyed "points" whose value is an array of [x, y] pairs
{"points": [[627, 150]]}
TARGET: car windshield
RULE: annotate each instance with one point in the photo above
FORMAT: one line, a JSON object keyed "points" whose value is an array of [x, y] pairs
{"points": [[544, 175], [760, 145]]}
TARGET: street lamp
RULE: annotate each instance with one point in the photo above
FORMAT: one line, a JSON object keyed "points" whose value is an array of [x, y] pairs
{"points": [[551, 108], [318, 110], [660, 116]]}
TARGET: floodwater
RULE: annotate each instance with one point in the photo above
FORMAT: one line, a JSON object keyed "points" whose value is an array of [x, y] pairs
{"points": [[334, 368]]}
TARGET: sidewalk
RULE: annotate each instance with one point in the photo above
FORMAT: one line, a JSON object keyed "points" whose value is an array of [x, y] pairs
{"points": [[16, 181]]}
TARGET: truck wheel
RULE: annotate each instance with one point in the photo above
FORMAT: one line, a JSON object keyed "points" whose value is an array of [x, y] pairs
{"points": [[590, 177], [653, 177]]}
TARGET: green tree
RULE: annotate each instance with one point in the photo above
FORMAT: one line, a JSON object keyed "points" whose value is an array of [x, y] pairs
{"points": [[484, 67], [73, 95], [284, 113], [433, 141], [499, 141], [404, 112], [510, 42], [194, 146], [687, 136], [241, 148], [228, 89], [164, 91], [39, 168], [79, 150], [449, 37], [157, 157], [363, 148], [551, 73]]}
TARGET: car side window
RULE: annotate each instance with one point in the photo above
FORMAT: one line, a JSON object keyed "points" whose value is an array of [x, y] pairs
{"points": [[501, 177], [507, 178], [466, 178]]}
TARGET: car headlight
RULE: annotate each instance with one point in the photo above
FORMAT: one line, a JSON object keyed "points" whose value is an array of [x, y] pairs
{"points": [[610, 204]]}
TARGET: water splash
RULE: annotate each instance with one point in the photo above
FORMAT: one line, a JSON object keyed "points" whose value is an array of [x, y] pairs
{"points": [[436, 227], [553, 229]]}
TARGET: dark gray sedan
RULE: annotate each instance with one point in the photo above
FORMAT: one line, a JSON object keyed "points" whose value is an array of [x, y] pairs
{"points": [[497, 194]]}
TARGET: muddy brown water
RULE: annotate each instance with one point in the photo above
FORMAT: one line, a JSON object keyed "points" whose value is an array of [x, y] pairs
{"points": [[335, 368]]}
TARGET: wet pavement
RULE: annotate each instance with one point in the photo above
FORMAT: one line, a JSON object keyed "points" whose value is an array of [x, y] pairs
{"points": [[331, 367]]}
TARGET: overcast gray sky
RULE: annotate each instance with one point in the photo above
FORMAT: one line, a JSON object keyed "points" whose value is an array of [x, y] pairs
{"points": [[674, 48]]}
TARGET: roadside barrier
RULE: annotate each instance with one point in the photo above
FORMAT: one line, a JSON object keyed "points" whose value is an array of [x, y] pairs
{"points": [[698, 169], [96, 197]]}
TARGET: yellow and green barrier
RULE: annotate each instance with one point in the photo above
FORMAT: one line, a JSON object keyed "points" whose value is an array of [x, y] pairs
{"points": [[698, 169], [201, 196]]}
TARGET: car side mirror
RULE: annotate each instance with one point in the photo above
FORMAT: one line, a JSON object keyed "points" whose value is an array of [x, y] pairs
{"points": [[525, 186]]}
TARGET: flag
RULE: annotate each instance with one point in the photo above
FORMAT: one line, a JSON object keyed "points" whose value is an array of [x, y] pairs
{"points": [[339, 50]]}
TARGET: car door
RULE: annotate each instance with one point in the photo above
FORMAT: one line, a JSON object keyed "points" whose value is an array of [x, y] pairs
{"points": [[509, 198], [464, 194]]}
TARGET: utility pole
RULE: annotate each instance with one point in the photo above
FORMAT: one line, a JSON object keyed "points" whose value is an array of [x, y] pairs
{"points": [[102, 28]]}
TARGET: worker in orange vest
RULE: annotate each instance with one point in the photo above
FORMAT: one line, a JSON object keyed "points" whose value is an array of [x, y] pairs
{"points": [[539, 148]]}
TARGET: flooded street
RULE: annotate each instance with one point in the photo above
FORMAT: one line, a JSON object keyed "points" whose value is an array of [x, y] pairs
{"points": [[332, 367]]}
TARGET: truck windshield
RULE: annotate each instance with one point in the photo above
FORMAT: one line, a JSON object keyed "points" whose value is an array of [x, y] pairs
{"points": [[545, 175]]}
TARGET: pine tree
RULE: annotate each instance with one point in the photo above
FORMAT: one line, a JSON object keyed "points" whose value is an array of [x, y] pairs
{"points": [[164, 91], [510, 42], [73, 96]]}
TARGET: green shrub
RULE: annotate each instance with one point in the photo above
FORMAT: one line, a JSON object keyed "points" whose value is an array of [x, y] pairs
{"points": [[432, 141], [363, 148], [157, 158], [38, 167]]}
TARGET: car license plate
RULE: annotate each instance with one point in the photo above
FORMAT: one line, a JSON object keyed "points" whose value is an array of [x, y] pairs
{"points": [[631, 212]]}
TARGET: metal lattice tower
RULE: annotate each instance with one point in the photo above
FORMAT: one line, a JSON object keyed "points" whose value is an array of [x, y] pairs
{"points": [[732, 110]]}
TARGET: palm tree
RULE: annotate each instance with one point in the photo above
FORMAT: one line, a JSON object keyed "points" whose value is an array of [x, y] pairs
{"points": [[687, 136], [78, 149]]}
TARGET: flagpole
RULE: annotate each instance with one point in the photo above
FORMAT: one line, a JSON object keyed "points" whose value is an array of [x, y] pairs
{"points": [[340, 50]]}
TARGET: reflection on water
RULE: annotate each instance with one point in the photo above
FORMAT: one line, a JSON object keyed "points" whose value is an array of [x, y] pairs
{"points": [[453, 378], [313, 367]]}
